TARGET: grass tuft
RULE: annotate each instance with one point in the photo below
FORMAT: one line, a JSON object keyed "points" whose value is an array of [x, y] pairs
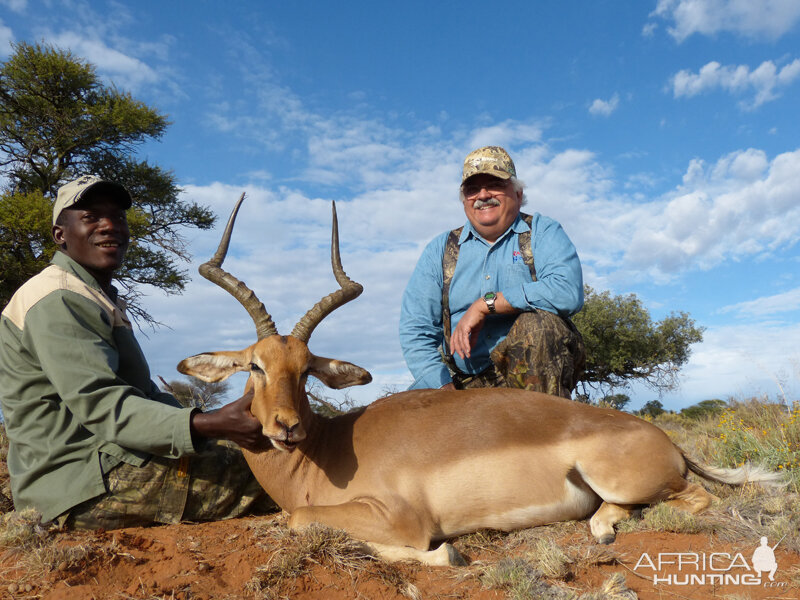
{"points": [[299, 551], [521, 581], [20, 531], [614, 588], [662, 517], [550, 560], [35, 549]]}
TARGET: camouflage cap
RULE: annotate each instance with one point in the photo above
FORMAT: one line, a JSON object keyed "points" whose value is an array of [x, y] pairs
{"points": [[492, 160], [73, 192]]}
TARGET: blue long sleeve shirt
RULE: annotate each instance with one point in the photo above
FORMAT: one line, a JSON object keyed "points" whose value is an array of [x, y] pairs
{"points": [[485, 267]]}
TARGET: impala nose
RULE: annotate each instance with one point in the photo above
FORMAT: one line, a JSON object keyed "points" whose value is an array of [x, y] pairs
{"points": [[293, 432]]}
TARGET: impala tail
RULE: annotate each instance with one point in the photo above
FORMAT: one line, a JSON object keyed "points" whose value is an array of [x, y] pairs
{"points": [[747, 473]]}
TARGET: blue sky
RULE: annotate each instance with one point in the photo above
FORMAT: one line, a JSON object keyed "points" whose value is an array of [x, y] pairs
{"points": [[662, 134]]}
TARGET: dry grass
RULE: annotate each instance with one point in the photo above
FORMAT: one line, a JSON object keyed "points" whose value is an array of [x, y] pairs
{"points": [[299, 551], [521, 581], [613, 588], [753, 431], [550, 560], [662, 517], [527, 537], [36, 550], [484, 540], [393, 577]]}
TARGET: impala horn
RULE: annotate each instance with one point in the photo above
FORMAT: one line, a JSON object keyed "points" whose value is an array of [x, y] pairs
{"points": [[348, 290], [212, 270]]}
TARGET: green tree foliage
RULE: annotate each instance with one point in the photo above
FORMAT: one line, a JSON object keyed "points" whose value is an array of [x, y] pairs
{"points": [[26, 245], [196, 393], [59, 121], [617, 401], [651, 408], [624, 345], [705, 408]]}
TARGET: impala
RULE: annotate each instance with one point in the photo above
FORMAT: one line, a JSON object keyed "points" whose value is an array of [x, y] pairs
{"points": [[427, 465]]}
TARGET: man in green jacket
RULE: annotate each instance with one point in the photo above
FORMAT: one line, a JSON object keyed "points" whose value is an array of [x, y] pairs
{"points": [[92, 441]]}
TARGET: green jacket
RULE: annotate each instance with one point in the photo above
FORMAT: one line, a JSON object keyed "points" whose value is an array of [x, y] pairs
{"points": [[76, 392]]}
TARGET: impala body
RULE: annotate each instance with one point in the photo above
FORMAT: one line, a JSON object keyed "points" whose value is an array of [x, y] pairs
{"points": [[426, 465]]}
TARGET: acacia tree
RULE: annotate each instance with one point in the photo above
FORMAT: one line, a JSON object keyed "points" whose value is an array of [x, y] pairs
{"points": [[624, 345], [196, 393], [59, 121]]}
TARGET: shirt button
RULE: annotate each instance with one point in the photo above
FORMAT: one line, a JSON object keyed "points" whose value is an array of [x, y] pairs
{"points": [[488, 277]]}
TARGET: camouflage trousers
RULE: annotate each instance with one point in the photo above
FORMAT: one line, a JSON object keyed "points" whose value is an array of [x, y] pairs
{"points": [[541, 353], [212, 485]]}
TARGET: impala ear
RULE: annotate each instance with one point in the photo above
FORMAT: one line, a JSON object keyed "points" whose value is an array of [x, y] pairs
{"points": [[338, 374], [214, 366]]}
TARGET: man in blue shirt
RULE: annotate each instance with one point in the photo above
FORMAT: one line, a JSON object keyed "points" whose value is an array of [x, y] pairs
{"points": [[489, 303]]}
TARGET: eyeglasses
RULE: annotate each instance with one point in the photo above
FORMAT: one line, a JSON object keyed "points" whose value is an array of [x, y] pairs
{"points": [[495, 186]]}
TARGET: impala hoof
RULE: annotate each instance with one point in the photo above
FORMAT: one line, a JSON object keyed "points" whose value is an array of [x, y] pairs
{"points": [[606, 539], [454, 557]]}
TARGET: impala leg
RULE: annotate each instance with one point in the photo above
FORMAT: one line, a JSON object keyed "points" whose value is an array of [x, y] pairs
{"points": [[693, 498], [391, 535], [603, 521], [444, 556]]}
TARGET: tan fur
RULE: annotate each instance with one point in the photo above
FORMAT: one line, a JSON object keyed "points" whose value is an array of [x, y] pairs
{"points": [[430, 464]]}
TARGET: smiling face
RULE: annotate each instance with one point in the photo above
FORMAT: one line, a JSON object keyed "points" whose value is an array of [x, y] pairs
{"points": [[94, 234], [491, 204]]}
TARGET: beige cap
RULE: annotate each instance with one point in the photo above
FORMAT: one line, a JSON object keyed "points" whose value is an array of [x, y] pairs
{"points": [[73, 192], [491, 160]]}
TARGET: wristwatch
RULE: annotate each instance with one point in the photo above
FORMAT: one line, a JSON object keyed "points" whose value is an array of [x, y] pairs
{"points": [[489, 298]]}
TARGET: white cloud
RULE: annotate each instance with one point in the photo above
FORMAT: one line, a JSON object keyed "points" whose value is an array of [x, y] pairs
{"points": [[649, 29], [6, 38], [604, 108], [507, 134], [744, 205], [741, 362], [105, 37], [17, 6], [763, 82], [763, 19], [125, 71], [767, 305]]}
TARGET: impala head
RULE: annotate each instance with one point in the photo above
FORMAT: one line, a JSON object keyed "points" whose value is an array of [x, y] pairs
{"points": [[278, 365]]}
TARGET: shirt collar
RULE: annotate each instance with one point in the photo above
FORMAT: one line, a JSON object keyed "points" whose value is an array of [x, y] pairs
{"points": [[518, 226], [62, 260]]}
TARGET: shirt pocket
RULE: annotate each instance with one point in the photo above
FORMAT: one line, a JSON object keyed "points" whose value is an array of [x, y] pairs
{"points": [[514, 275]]}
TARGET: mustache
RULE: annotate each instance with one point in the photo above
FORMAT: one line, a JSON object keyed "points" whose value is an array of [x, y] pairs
{"points": [[488, 202]]}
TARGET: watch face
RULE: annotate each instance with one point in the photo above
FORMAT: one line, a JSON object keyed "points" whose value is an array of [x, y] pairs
{"points": [[490, 296]]}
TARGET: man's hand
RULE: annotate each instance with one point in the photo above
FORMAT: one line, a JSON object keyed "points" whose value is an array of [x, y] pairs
{"points": [[233, 422], [466, 332]]}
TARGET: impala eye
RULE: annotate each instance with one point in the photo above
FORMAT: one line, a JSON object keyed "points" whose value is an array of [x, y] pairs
{"points": [[254, 367]]}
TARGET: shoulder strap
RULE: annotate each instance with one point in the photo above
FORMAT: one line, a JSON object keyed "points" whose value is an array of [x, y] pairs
{"points": [[450, 258], [525, 245]]}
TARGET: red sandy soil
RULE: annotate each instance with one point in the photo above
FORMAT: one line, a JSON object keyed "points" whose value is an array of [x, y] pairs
{"points": [[217, 560]]}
